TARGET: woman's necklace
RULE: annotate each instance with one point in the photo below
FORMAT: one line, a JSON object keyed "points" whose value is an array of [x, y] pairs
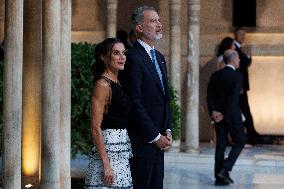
{"points": [[112, 78]]}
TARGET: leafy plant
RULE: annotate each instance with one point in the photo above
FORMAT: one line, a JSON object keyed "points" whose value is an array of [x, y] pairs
{"points": [[82, 60], [176, 113]]}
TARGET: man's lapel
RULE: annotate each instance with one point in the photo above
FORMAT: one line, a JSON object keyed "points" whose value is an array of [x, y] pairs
{"points": [[150, 65]]}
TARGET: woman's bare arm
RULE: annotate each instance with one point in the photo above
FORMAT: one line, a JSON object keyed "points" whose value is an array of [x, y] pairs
{"points": [[100, 99]]}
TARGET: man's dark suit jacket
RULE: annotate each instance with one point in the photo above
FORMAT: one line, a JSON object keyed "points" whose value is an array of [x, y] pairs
{"points": [[150, 113], [223, 94], [245, 61]]}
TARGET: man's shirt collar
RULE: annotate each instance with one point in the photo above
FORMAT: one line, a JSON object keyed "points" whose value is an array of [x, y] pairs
{"points": [[231, 66], [146, 46], [237, 44]]}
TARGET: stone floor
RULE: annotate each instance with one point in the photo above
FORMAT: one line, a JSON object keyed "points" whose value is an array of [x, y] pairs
{"points": [[200, 177], [259, 167]]}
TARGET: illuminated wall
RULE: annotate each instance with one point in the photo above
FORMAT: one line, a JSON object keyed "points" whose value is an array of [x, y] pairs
{"points": [[266, 94], [31, 127], [32, 58]]}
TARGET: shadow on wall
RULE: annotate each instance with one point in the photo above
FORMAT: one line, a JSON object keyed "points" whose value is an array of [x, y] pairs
{"points": [[205, 72]]}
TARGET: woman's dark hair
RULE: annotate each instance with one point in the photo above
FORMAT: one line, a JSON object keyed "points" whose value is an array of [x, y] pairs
{"points": [[226, 44], [103, 49]]}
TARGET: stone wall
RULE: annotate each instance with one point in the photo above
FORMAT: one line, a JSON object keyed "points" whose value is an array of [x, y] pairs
{"points": [[88, 20], [2, 17]]}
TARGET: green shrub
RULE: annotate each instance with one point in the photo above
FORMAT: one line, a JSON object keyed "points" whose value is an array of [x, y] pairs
{"points": [[82, 60], [176, 113]]}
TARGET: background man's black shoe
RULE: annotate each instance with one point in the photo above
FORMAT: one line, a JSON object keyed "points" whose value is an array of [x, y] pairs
{"points": [[221, 182], [224, 174], [231, 180]]}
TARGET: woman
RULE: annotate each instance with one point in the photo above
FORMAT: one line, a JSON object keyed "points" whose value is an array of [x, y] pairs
{"points": [[109, 165], [226, 43]]}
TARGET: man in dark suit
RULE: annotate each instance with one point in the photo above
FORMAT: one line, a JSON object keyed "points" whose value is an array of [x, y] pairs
{"points": [[145, 81], [223, 95], [245, 62]]}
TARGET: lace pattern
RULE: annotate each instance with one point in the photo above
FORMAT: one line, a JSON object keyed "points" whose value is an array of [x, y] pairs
{"points": [[118, 148]]}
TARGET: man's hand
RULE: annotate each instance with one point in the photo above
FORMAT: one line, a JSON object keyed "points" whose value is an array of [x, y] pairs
{"points": [[163, 142], [170, 139], [217, 116]]}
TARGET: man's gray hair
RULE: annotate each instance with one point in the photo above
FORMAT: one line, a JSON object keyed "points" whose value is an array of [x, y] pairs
{"points": [[138, 14], [229, 56]]}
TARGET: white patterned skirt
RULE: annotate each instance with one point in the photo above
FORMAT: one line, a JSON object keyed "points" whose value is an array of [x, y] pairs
{"points": [[118, 149]]}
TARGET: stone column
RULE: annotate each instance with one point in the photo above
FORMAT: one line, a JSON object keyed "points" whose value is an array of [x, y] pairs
{"points": [[175, 44], [2, 17], [111, 18], [65, 94], [12, 105], [50, 172], [32, 62], [192, 117]]}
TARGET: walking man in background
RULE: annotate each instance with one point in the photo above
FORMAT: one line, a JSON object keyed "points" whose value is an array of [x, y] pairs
{"points": [[223, 96]]}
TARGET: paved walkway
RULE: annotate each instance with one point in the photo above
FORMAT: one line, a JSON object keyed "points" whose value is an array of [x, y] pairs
{"points": [[259, 167]]}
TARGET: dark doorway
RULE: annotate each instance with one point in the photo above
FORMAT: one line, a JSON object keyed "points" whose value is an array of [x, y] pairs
{"points": [[244, 13]]}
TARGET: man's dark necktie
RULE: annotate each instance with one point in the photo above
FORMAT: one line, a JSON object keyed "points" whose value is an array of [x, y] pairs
{"points": [[155, 62]]}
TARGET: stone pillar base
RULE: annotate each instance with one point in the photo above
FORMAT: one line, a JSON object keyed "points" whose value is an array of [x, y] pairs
{"points": [[188, 149], [191, 150]]}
